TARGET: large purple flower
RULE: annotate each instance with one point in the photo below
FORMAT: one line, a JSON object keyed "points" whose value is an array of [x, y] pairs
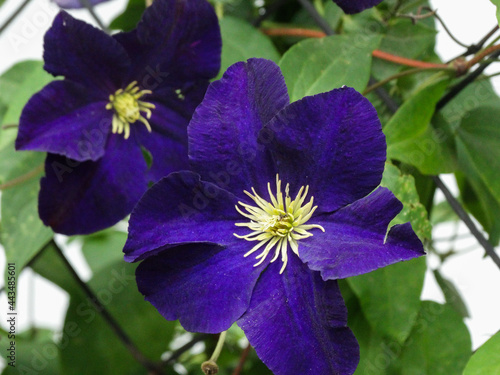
{"points": [[125, 98], [241, 239], [356, 6], [74, 4]]}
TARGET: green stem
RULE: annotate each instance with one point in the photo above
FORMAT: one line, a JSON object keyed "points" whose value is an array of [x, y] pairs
{"points": [[210, 367], [218, 348]]}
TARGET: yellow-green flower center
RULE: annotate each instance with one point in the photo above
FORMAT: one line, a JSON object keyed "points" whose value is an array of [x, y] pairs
{"points": [[127, 109], [278, 223]]}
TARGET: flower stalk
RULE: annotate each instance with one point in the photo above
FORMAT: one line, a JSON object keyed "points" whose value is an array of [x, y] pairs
{"points": [[210, 367]]}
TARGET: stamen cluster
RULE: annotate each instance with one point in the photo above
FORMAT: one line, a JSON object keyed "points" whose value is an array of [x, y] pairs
{"points": [[278, 223], [128, 108]]}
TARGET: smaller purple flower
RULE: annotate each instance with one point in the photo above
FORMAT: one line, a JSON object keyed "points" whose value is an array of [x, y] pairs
{"points": [[125, 99], [356, 6], [283, 201], [75, 4]]}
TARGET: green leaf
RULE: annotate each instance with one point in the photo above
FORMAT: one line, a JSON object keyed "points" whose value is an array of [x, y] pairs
{"points": [[414, 116], [477, 142], [96, 349], [477, 149], [333, 14], [429, 152], [49, 265], [103, 248], [241, 41], [390, 297], [438, 344], [478, 199], [477, 94], [442, 213], [426, 188], [130, 17], [314, 66], [497, 4], [17, 85], [375, 350], [403, 187], [148, 157], [451, 294], [406, 39], [23, 233], [486, 360], [413, 140], [36, 353], [368, 22]]}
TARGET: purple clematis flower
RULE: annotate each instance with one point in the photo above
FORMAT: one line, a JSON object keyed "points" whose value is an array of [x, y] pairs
{"points": [[123, 97], [75, 4], [241, 238], [356, 6]]}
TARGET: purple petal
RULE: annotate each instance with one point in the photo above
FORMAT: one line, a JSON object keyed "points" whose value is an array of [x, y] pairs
{"points": [[206, 287], [297, 323], [355, 239], [223, 134], [65, 118], [332, 142], [176, 40], [75, 4], [182, 99], [84, 197], [167, 142], [356, 6], [181, 209], [82, 53]]}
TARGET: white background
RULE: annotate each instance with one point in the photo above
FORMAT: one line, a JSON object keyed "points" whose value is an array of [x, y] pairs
{"points": [[42, 304]]}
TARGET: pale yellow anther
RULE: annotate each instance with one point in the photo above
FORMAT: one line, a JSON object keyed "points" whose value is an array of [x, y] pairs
{"points": [[277, 223], [127, 109]]}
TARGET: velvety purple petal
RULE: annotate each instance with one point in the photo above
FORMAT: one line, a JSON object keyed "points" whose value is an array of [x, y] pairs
{"points": [[297, 323], [167, 142], [332, 142], [182, 99], [206, 287], [65, 118], [356, 6], [223, 134], [176, 40], [75, 4], [85, 54], [181, 209], [355, 240], [84, 197]]}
